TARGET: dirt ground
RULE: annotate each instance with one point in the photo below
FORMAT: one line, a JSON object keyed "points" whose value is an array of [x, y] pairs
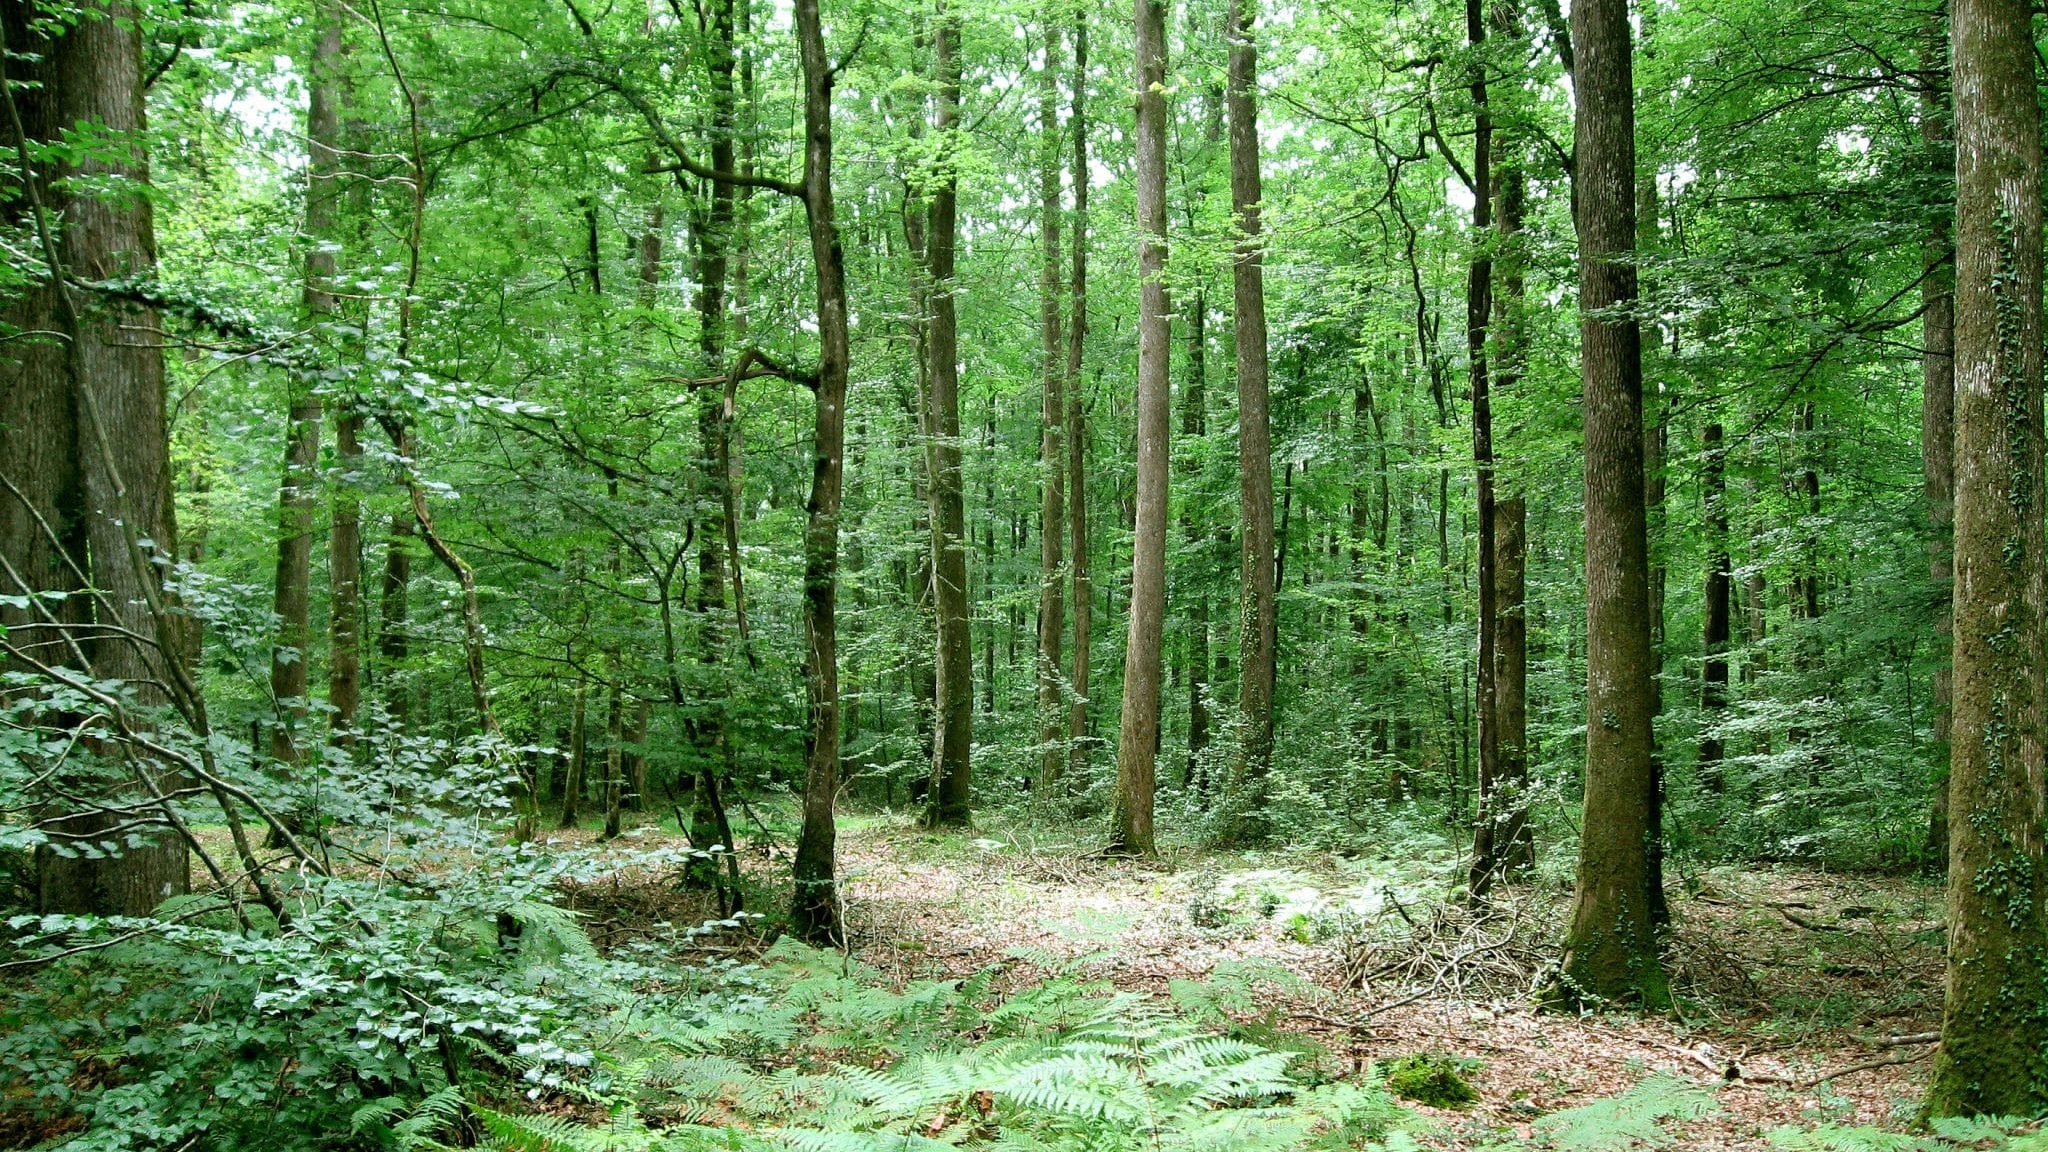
{"points": [[1806, 998]]}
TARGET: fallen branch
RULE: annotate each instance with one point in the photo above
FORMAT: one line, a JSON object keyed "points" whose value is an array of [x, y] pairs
{"points": [[1868, 1065]]}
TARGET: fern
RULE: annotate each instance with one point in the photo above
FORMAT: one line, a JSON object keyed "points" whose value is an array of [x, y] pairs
{"points": [[1634, 1118]]}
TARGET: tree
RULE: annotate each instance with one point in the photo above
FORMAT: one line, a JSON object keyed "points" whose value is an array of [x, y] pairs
{"points": [[85, 446], [1994, 1035], [1938, 401], [815, 915], [1077, 414], [1138, 731], [954, 714], [1478, 315], [1258, 628], [1052, 526], [1610, 947]]}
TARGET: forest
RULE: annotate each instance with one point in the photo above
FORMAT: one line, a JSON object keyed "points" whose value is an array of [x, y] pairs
{"points": [[845, 575]]}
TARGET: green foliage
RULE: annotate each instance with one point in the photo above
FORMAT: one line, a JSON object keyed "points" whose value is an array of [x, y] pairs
{"points": [[1637, 1118], [1432, 1078]]}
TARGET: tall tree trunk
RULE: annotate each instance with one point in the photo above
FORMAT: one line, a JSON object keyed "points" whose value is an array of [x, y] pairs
{"points": [[1052, 462], [291, 600], [393, 642], [951, 743], [579, 743], [1478, 314], [1077, 415], [323, 214], [1719, 585], [1938, 410], [815, 914], [85, 438], [1258, 637], [716, 507], [1610, 948], [614, 749], [1193, 425], [345, 583], [1994, 1036], [1138, 736]]}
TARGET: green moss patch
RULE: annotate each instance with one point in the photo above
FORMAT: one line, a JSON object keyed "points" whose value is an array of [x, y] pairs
{"points": [[1432, 1078]]}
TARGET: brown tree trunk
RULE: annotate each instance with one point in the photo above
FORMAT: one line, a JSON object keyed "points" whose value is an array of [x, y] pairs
{"points": [[1193, 425], [1052, 462], [715, 532], [1258, 638], [572, 779], [291, 647], [292, 588], [954, 719], [1938, 414], [345, 583], [614, 750], [1719, 585], [1610, 948], [1993, 1057], [85, 438], [393, 643], [1478, 313], [1138, 730], [815, 913], [323, 215], [1076, 416]]}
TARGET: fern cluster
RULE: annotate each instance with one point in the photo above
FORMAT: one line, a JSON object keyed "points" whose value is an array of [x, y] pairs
{"points": [[810, 1052]]}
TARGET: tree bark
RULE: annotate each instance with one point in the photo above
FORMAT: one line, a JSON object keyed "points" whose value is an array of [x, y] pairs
{"points": [[1258, 639], [1138, 730], [1993, 1057], [815, 914], [1610, 949], [947, 805], [1719, 586], [1478, 313], [1077, 415], [1052, 527], [85, 436], [393, 643], [572, 779], [1938, 414]]}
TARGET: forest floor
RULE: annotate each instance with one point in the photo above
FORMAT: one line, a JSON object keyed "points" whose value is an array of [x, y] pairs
{"points": [[1806, 998]]}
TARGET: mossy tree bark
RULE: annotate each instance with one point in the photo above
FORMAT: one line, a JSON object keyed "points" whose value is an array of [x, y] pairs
{"points": [[1994, 1037]]}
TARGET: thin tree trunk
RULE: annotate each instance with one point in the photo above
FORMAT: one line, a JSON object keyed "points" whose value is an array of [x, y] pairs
{"points": [[1193, 425], [716, 533], [393, 642], [1993, 1057], [1938, 414], [1076, 415], [1137, 742], [1610, 949], [345, 583], [1719, 585], [815, 912], [1052, 411], [572, 779], [293, 579], [1478, 314], [948, 801], [1258, 637]]}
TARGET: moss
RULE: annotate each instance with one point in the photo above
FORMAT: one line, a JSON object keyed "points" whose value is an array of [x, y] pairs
{"points": [[1432, 1078]]}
